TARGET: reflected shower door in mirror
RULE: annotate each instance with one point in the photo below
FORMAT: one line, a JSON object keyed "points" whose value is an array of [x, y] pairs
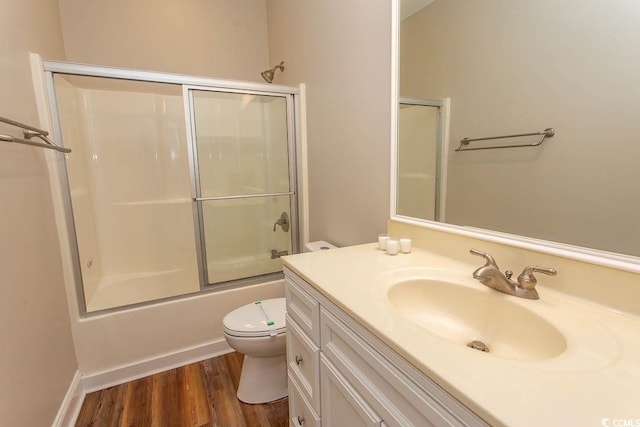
{"points": [[513, 67], [420, 158], [245, 183]]}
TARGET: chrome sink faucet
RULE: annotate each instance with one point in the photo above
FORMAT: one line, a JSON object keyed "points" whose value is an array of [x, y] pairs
{"points": [[491, 276]]}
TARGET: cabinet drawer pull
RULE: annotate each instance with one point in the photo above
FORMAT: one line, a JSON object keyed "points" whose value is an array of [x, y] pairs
{"points": [[300, 420], [298, 362]]}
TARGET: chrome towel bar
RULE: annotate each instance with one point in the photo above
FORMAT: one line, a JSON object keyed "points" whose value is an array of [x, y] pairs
{"points": [[547, 133], [29, 132]]}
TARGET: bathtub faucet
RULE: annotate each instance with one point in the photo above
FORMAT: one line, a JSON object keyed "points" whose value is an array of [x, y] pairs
{"points": [[283, 222], [277, 254]]}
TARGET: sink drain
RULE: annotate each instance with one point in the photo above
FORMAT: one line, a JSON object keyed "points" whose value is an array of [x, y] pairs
{"points": [[478, 345]]}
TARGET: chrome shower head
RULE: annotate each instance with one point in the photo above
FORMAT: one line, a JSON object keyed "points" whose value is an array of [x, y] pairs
{"points": [[268, 75]]}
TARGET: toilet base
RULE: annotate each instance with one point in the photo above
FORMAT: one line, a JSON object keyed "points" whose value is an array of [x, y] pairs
{"points": [[263, 379]]}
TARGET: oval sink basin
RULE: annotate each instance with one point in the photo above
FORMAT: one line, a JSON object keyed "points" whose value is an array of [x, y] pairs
{"points": [[463, 314]]}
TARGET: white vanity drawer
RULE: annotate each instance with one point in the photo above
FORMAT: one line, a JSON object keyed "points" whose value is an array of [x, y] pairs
{"points": [[301, 306], [300, 412], [303, 362], [383, 380]]}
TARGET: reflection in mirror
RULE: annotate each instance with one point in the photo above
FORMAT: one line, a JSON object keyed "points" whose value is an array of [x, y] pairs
{"points": [[419, 159], [523, 66]]}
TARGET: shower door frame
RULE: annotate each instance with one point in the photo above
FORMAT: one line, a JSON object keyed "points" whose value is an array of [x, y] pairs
{"points": [[441, 155], [190, 119], [50, 68]]}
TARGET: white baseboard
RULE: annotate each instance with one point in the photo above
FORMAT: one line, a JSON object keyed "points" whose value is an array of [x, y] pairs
{"points": [[71, 404], [144, 368]]}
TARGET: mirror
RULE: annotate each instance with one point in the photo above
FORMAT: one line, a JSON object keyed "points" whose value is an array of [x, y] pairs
{"points": [[512, 67]]}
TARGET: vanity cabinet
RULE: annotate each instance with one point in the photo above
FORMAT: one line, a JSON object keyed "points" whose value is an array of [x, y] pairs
{"points": [[341, 374], [303, 355]]}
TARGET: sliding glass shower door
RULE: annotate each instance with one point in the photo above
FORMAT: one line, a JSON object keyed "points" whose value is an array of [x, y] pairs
{"points": [[129, 190], [245, 182], [175, 183]]}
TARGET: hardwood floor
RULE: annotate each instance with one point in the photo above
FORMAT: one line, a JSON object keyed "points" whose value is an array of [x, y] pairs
{"points": [[200, 394]]}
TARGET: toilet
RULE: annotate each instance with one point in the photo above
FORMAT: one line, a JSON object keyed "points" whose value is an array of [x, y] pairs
{"points": [[258, 331], [319, 245]]}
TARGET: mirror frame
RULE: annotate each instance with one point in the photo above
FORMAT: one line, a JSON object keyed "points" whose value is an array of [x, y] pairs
{"points": [[593, 256]]}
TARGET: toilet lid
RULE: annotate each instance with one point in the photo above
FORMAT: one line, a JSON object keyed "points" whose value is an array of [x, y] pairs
{"points": [[258, 319]]}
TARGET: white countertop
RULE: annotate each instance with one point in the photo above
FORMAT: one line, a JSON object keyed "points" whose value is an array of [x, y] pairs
{"points": [[596, 378]]}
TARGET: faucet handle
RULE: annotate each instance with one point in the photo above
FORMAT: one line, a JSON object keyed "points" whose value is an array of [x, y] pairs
{"points": [[527, 280], [490, 261], [283, 222]]}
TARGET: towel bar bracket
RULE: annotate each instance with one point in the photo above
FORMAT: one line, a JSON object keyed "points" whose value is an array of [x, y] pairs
{"points": [[29, 132]]}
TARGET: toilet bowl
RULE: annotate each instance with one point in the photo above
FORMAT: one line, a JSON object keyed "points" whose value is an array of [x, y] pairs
{"points": [[258, 331]]}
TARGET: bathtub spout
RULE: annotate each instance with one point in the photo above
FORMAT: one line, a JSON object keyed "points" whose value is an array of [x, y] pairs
{"points": [[277, 254]]}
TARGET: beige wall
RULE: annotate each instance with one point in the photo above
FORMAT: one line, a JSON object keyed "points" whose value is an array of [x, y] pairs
{"points": [[37, 360], [341, 50], [213, 38], [513, 67]]}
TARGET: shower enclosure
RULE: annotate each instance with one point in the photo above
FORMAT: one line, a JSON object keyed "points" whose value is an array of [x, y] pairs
{"points": [[175, 184]]}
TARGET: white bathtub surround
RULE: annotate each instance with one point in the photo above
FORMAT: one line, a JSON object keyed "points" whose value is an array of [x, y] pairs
{"points": [[132, 288], [596, 376], [122, 229]]}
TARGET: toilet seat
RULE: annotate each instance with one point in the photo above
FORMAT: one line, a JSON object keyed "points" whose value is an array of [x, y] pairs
{"points": [[258, 319]]}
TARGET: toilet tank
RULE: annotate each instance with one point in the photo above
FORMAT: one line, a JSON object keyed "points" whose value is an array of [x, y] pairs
{"points": [[319, 245]]}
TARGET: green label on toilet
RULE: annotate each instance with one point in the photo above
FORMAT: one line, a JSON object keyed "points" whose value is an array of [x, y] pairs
{"points": [[266, 318]]}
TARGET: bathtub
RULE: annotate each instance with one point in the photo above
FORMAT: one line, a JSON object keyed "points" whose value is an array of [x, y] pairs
{"points": [[124, 289]]}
